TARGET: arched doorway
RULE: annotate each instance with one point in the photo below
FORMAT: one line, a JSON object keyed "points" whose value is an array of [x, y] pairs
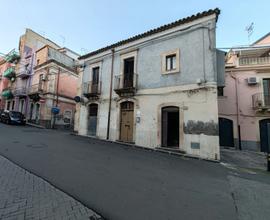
{"points": [[126, 121], [225, 132], [92, 119], [264, 134], [170, 127]]}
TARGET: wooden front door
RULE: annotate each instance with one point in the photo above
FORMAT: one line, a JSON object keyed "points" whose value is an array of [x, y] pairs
{"points": [[126, 121]]}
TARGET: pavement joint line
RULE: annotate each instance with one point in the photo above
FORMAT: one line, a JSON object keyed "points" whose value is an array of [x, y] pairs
{"points": [[179, 154], [56, 187]]}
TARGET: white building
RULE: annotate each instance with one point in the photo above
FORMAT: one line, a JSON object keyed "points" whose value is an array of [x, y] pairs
{"points": [[157, 89]]}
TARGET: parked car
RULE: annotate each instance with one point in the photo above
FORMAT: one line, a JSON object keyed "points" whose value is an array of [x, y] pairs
{"points": [[1, 111], [13, 117]]}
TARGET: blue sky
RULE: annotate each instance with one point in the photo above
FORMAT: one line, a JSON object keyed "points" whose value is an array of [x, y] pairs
{"points": [[86, 25]]}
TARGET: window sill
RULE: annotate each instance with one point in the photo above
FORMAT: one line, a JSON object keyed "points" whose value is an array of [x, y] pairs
{"points": [[171, 72]]}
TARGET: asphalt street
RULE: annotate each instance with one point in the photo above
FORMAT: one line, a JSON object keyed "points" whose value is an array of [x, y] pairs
{"points": [[122, 182]]}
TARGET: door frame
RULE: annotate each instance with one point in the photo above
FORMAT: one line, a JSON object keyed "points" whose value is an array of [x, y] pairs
{"points": [[259, 123], [181, 123], [97, 126], [162, 131], [118, 121], [232, 126]]}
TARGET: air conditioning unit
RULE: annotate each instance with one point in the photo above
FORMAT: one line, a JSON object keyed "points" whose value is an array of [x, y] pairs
{"points": [[252, 80]]}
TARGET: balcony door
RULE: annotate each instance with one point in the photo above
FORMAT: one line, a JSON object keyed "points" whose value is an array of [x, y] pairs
{"points": [[266, 91], [95, 79], [128, 72]]}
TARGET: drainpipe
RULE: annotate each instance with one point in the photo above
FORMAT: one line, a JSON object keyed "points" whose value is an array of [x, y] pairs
{"points": [[237, 109], [110, 99], [56, 92]]}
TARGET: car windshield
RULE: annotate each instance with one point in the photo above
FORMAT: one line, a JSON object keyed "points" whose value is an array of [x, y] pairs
{"points": [[15, 114]]}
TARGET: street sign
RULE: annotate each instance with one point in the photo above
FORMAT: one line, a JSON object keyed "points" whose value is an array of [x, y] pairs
{"points": [[55, 110], [77, 99]]}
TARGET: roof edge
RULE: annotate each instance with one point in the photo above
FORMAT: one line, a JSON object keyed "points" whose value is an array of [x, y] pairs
{"points": [[162, 28], [261, 38]]}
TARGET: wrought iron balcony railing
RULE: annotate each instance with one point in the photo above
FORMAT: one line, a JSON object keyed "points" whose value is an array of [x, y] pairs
{"points": [[21, 91], [12, 56], [261, 101], [7, 93], [125, 85], [9, 72], [91, 89], [34, 89], [24, 74]]}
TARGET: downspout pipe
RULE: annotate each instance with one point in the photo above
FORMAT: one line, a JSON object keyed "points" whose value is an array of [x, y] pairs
{"points": [[237, 114], [110, 98]]}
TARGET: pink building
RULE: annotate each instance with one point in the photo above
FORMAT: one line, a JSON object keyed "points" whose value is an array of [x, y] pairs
{"points": [[244, 102], [54, 86]]}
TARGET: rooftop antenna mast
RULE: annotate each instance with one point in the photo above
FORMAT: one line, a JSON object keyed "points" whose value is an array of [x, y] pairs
{"points": [[63, 39], [249, 29]]}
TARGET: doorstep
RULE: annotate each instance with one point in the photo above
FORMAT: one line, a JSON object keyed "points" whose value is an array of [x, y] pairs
{"points": [[157, 149]]}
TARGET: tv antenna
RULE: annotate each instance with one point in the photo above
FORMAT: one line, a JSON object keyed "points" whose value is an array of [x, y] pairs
{"points": [[63, 39], [249, 29]]}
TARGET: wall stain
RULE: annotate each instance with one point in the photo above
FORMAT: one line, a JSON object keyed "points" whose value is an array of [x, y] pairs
{"points": [[200, 127]]}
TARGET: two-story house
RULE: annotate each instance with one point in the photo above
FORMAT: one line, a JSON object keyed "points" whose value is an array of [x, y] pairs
{"points": [[54, 85], [244, 102], [157, 89]]}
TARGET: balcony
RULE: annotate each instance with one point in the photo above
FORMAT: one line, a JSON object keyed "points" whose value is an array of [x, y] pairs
{"points": [[261, 101], [20, 92], [125, 86], [92, 89], [24, 74], [9, 73], [12, 56], [35, 91], [251, 61], [7, 93]]}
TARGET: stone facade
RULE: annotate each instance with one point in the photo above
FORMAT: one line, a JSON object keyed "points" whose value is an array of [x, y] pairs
{"points": [[171, 101]]}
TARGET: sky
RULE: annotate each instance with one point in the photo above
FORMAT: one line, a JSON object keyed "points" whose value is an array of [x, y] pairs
{"points": [[87, 25]]}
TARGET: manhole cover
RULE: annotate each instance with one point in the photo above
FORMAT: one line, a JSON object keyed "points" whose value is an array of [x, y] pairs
{"points": [[37, 145]]}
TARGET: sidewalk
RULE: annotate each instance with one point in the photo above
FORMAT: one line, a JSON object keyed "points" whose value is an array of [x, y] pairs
{"points": [[244, 159], [24, 196]]}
